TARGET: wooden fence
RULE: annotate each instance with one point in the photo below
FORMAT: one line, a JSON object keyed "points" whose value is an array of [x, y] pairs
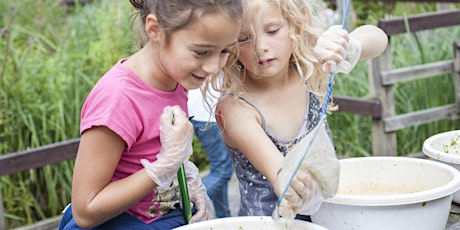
{"points": [[382, 78], [381, 107], [35, 158]]}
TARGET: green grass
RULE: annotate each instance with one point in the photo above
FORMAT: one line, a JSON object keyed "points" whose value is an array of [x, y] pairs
{"points": [[50, 58]]}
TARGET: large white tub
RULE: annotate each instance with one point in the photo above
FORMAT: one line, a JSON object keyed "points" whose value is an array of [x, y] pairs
{"points": [[251, 223], [381, 193]]}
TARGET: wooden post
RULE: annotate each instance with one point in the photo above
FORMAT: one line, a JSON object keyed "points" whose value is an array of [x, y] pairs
{"points": [[457, 73], [383, 143]]}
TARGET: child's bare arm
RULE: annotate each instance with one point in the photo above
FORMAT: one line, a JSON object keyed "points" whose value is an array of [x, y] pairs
{"points": [[373, 40]]}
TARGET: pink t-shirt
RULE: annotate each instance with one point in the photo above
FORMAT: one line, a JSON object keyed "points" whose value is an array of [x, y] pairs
{"points": [[121, 101]]}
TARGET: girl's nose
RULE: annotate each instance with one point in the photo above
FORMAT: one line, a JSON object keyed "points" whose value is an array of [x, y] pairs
{"points": [[212, 66], [261, 45]]}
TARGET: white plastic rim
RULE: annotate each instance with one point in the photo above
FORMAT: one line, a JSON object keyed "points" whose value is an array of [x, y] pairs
{"points": [[433, 147], [251, 223], [399, 199]]}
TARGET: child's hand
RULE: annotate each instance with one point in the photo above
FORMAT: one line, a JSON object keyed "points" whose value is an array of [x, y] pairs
{"points": [[198, 194], [336, 51], [176, 134], [317, 178], [303, 195]]}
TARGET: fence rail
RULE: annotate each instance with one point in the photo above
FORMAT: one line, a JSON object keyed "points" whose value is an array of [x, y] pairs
{"points": [[420, 22], [34, 158]]}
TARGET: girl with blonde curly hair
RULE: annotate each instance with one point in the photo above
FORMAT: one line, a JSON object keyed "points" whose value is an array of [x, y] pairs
{"points": [[273, 87]]}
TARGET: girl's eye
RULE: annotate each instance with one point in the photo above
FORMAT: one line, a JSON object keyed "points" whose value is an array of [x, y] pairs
{"points": [[200, 52], [204, 53], [225, 51], [273, 31], [243, 40]]}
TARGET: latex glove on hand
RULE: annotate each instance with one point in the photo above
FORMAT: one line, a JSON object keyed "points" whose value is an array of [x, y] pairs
{"points": [[303, 195], [336, 51], [176, 135], [317, 178], [198, 194]]}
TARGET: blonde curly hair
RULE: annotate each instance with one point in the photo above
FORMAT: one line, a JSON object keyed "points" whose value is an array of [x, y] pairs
{"points": [[304, 33]]}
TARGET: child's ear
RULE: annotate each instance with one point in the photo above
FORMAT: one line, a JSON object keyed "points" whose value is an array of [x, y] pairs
{"points": [[152, 27]]}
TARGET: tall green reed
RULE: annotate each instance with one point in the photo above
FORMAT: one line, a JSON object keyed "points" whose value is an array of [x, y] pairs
{"points": [[54, 56]]}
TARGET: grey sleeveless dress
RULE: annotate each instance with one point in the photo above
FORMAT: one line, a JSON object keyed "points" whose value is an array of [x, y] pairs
{"points": [[257, 195]]}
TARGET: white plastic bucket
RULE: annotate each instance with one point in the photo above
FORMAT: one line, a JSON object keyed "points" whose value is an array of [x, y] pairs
{"points": [[381, 193], [251, 223], [445, 147]]}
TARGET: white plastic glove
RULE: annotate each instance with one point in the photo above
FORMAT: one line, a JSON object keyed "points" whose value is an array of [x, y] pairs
{"points": [[336, 51], [198, 194], [303, 195], [317, 178], [176, 134]]}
